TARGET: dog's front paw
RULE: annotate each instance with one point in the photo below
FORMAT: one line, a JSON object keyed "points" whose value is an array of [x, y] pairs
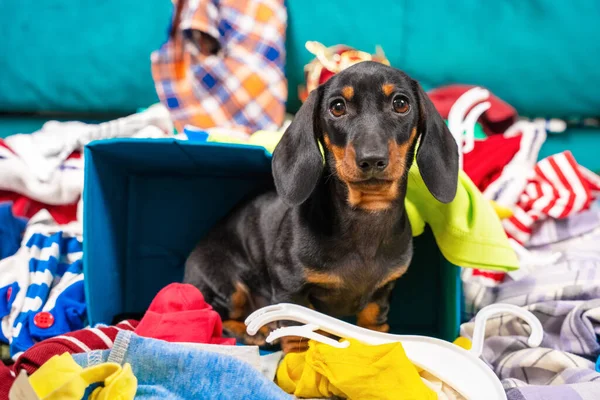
{"points": [[293, 344]]}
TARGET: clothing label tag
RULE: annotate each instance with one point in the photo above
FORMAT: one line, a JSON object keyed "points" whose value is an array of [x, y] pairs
{"points": [[21, 389]]}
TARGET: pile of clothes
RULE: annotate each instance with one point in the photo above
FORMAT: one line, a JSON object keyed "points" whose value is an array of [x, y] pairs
{"points": [[41, 249], [175, 351], [550, 212]]}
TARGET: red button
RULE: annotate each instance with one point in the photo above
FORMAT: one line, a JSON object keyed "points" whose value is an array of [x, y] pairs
{"points": [[43, 319], [8, 293]]}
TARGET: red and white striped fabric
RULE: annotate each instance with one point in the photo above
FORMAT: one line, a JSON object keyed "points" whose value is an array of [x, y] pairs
{"points": [[558, 188]]}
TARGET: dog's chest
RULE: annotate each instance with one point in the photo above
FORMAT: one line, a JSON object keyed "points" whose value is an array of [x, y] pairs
{"points": [[352, 281], [362, 270]]}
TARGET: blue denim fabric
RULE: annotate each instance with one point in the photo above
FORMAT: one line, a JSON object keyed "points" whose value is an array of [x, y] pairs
{"points": [[168, 371]]}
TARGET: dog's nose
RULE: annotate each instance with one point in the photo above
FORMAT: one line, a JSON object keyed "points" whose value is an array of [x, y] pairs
{"points": [[372, 162]]}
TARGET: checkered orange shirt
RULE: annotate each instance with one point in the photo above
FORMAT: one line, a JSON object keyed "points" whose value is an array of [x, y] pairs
{"points": [[243, 86]]}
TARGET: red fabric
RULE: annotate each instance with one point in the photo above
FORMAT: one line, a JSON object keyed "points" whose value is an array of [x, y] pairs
{"points": [[495, 276], [559, 188], [485, 162], [496, 120], [179, 313], [2, 144], [7, 378], [75, 342], [26, 207]]}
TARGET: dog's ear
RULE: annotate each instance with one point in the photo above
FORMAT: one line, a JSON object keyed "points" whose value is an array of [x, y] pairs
{"points": [[437, 155], [297, 160]]}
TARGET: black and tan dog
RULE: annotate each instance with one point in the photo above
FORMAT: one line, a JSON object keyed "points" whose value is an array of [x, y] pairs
{"points": [[335, 236]]}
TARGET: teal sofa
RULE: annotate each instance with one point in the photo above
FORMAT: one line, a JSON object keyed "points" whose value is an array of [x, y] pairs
{"points": [[89, 60]]}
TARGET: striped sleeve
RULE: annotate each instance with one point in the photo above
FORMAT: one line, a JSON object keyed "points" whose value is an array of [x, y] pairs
{"points": [[559, 188]]}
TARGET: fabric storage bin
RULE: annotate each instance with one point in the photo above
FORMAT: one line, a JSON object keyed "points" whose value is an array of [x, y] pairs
{"points": [[148, 202]]}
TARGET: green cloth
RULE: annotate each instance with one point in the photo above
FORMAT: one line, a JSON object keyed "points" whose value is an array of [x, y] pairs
{"points": [[467, 230]]}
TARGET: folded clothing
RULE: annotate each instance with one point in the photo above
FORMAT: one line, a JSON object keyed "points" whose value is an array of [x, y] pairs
{"points": [[179, 313], [41, 286], [157, 366], [84, 340], [11, 230]]}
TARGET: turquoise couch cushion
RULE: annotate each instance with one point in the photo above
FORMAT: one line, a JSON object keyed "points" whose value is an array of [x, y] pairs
{"points": [[84, 55], [539, 55]]}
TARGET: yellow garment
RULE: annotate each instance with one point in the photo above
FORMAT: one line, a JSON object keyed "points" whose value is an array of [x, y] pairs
{"points": [[467, 230], [502, 212], [360, 372], [61, 378], [266, 139], [463, 342]]}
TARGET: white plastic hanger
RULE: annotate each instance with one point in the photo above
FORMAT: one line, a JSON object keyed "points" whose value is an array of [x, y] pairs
{"points": [[463, 116], [462, 369]]}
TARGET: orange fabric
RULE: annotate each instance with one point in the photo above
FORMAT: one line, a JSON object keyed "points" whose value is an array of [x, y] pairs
{"points": [[241, 87]]}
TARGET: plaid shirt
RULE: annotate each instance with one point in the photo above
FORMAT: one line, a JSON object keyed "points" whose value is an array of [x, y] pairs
{"points": [[243, 86]]}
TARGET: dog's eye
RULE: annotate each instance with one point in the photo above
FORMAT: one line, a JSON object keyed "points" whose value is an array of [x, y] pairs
{"points": [[337, 108], [400, 104]]}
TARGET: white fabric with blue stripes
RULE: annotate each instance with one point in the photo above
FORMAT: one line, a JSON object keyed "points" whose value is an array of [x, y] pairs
{"points": [[45, 275]]}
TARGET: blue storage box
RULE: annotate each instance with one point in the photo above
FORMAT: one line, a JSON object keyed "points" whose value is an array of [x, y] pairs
{"points": [[148, 202]]}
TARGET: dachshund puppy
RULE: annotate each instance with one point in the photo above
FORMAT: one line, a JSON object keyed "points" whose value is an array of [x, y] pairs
{"points": [[335, 235]]}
